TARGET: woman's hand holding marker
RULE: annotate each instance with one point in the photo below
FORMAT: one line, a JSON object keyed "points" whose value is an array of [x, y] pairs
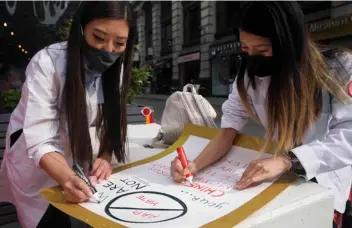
{"points": [[75, 190], [179, 170]]}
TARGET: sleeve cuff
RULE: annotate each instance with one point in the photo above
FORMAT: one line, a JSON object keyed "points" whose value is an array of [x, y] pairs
{"points": [[40, 152], [232, 123], [307, 157]]}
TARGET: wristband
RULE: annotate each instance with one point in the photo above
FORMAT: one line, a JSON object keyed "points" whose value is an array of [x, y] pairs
{"points": [[296, 164]]}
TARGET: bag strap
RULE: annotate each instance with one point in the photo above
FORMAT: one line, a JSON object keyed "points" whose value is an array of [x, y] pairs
{"points": [[203, 110], [189, 107], [191, 86]]}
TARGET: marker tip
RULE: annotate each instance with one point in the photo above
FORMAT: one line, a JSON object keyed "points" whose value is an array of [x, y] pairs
{"points": [[190, 179]]}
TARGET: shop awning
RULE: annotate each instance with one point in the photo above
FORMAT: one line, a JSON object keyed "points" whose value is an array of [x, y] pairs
{"points": [[331, 28]]}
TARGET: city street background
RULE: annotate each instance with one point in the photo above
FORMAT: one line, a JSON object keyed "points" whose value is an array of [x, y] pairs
{"points": [[158, 104], [180, 42]]}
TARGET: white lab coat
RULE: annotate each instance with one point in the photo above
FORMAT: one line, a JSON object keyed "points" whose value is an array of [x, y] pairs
{"points": [[326, 153], [39, 113]]}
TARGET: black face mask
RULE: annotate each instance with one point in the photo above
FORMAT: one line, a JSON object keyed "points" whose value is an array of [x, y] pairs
{"points": [[260, 66], [98, 60]]}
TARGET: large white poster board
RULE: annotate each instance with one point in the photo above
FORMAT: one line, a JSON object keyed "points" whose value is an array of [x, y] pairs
{"points": [[147, 196]]}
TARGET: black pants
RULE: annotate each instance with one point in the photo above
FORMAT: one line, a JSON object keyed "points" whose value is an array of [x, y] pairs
{"points": [[53, 217]]}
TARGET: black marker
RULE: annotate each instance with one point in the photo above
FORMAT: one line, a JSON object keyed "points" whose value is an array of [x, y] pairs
{"points": [[79, 172]]}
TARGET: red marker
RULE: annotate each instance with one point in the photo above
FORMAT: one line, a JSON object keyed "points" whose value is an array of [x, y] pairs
{"points": [[184, 161]]}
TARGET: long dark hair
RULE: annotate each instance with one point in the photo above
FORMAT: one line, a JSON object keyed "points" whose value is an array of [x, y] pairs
{"points": [[294, 97], [111, 120]]}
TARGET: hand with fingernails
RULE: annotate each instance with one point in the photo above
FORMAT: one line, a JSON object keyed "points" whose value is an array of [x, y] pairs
{"points": [[262, 170], [101, 169], [75, 190], [178, 173]]}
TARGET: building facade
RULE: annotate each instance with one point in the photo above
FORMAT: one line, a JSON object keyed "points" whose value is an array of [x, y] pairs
{"points": [[196, 41], [333, 25]]}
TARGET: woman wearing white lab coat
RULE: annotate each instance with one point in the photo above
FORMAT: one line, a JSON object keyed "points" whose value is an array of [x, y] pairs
{"points": [[70, 87], [300, 95]]}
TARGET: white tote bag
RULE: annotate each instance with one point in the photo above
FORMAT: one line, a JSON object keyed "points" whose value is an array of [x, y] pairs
{"points": [[183, 107]]}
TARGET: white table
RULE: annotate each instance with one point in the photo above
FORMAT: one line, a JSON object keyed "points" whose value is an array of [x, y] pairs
{"points": [[303, 204], [138, 135]]}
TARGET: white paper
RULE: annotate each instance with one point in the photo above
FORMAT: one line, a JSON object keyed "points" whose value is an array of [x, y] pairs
{"points": [[147, 196]]}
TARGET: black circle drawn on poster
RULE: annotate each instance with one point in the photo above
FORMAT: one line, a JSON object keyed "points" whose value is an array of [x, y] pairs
{"points": [[108, 207]]}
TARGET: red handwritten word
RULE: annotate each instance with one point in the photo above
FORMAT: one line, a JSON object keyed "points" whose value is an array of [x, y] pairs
{"points": [[161, 172], [201, 179], [231, 170], [233, 162], [149, 215], [226, 177], [148, 201], [233, 178], [210, 191], [219, 184], [210, 173], [161, 166]]}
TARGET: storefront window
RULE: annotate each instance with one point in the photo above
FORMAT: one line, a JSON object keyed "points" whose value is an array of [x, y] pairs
{"points": [[189, 72], [314, 6], [224, 71], [227, 15], [191, 23], [166, 27], [148, 31]]}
